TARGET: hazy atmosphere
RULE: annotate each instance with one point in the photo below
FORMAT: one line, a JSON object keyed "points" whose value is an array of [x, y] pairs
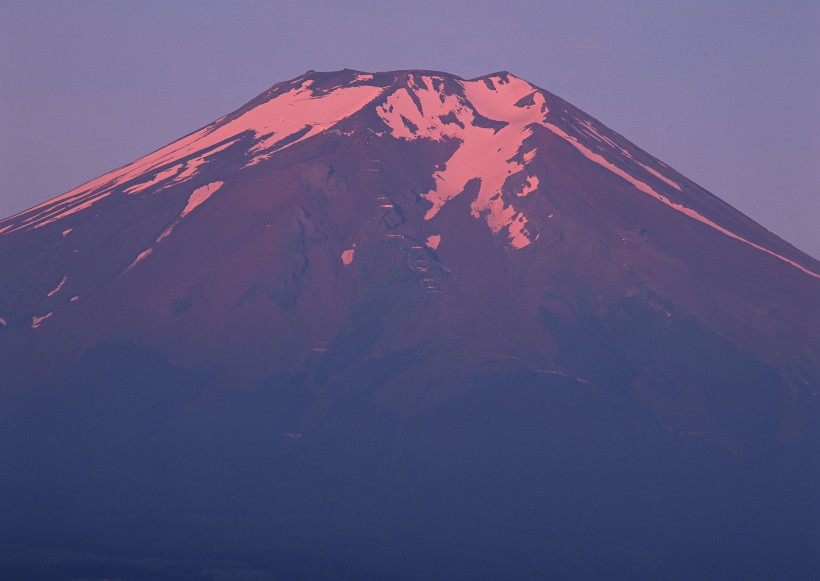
{"points": [[726, 93], [409, 291]]}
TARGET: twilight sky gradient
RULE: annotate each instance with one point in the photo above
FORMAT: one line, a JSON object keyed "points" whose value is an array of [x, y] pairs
{"points": [[727, 93]]}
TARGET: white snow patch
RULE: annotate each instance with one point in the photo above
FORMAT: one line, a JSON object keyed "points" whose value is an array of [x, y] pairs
{"points": [[647, 189], [75, 298], [200, 196], [433, 241], [59, 286], [3, 321], [37, 321], [347, 256]]}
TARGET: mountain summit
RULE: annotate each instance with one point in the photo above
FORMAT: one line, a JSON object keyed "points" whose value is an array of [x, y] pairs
{"points": [[406, 324]]}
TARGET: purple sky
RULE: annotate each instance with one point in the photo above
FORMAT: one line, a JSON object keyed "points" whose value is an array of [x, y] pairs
{"points": [[727, 93]]}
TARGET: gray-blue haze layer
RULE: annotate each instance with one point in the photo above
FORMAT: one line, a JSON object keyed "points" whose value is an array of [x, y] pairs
{"points": [[725, 92]]}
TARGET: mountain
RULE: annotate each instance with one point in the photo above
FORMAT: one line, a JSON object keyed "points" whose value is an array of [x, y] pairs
{"points": [[405, 325]]}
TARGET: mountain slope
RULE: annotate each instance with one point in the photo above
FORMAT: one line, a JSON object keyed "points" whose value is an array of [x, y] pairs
{"points": [[372, 323]]}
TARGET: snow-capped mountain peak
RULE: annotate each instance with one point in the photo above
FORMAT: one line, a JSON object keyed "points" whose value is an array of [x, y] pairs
{"points": [[492, 118]]}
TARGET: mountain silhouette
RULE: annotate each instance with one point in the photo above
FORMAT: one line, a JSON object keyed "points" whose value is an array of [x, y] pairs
{"points": [[405, 325]]}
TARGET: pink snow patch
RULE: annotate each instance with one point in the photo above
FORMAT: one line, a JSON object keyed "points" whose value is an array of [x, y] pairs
{"points": [[433, 241], [37, 321], [484, 153], [297, 110], [270, 122], [192, 165], [161, 176], [647, 189], [140, 257], [529, 187], [62, 212], [347, 256], [199, 196], [58, 287], [587, 128], [530, 155], [660, 176]]}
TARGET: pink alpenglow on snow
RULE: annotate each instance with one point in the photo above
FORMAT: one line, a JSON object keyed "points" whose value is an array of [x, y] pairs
{"points": [[66, 210], [271, 122], [660, 176], [192, 165], [586, 127], [59, 286], [486, 123], [159, 177], [347, 256], [200, 196], [140, 257], [167, 232], [37, 321], [486, 153], [529, 186], [301, 109], [529, 156], [647, 189]]}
